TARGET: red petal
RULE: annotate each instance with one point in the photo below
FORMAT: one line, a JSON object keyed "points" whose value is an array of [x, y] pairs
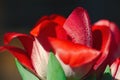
{"points": [[78, 27], [60, 32], [115, 69], [39, 58], [73, 54], [113, 27], [45, 29], [20, 55], [101, 41], [35, 31], [56, 19], [115, 31], [117, 77], [48, 28], [25, 40]]}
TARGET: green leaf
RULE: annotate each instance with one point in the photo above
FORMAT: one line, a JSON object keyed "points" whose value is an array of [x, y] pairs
{"points": [[107, 70], [107, 74], [54, 69], [25, 74]]}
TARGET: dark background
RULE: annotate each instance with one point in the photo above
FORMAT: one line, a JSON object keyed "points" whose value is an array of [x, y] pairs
{"points": [[21, 15], [24, 13]]}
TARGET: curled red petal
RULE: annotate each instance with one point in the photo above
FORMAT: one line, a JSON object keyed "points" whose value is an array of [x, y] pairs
{"points": [[20, 55], [25, 40], [102, 22], [116, 32], [54, 19], [73, 54], [114, 46], [78, 27], [113, 27], [101, 41]]}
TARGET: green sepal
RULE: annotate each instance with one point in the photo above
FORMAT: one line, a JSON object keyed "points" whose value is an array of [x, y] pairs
{"points": [[107, 74], [25, 74], [54, 69]]}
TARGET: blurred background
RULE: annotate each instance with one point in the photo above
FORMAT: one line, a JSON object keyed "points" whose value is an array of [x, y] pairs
{"points": [[21, 15]]}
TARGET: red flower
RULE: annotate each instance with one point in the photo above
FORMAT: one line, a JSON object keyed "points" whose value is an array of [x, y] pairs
{"points": [[78, 46], [113, 47]]}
